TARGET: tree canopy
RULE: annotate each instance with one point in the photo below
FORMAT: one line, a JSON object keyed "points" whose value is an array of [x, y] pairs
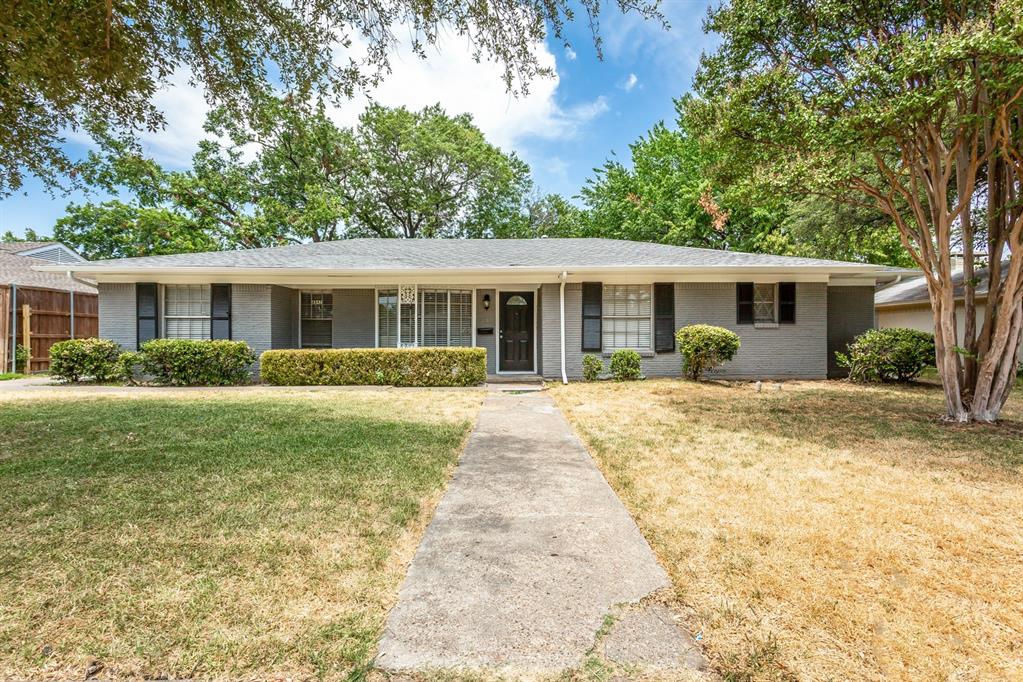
{"points": [[293, 175], [674, 190], [910, 109], [77, 64]]}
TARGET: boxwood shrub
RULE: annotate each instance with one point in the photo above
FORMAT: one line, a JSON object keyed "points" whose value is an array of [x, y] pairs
{"points": [[375, 366], [704, 347], [625, 365], [81, 359], [893, 354], [187, 362], [593, 367]]}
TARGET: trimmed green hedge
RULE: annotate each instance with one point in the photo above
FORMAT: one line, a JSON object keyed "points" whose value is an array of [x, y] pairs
{"points": [[885, 355], [80, 359], [375, 366], [186, 362], [626, 365]]}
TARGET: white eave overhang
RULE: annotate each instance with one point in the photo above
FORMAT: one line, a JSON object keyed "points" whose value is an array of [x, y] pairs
{"points": [[861, 275]]}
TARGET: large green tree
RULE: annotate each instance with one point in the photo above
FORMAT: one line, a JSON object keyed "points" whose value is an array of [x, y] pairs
{"points": [[68, 64], [292, 175], [804, 96], [664, 195]]}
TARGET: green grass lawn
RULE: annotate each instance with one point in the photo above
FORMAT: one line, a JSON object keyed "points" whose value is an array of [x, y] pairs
{"points": [[7, 376], [257, 535]]}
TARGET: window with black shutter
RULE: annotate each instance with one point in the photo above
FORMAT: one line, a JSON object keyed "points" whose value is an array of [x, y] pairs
{"points": [[664, 318], [744, 303], [220, 311], [146, 313], [593, 293], [787, 303]]}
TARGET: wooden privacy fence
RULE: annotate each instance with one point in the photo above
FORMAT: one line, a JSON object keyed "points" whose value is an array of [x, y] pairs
{"points": [[44, 317]]}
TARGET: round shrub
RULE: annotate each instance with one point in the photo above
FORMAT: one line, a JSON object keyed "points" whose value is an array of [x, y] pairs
{"points": [[704, 347], [188, 362], [81, 359], [625, 365], [593, 367], [885, 355]]}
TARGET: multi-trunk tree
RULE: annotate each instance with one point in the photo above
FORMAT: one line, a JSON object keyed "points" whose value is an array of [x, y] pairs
{"points": [[929, 96]]}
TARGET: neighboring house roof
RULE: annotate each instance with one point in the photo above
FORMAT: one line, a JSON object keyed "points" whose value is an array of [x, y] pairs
{"points": [[17, 267], [55, 252], [522, 255], [914, 291]]}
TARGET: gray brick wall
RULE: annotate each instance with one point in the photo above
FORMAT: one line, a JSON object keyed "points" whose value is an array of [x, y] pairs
{"points": [[788, 351], [283, 332], [251, 320], [850, 313], [117, 314], [354, 316], [487, 318]]}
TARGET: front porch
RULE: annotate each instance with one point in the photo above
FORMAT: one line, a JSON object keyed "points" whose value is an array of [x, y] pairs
{"points": [[503, 320]]}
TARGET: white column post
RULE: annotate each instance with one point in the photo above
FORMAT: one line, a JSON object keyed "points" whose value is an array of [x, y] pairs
{"points": [[564, 372]]}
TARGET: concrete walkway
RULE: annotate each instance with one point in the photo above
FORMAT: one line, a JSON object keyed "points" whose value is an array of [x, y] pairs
{"points": [[527, 554]]}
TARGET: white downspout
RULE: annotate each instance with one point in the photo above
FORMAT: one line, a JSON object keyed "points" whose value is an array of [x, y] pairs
{"points": [[564, 373]]}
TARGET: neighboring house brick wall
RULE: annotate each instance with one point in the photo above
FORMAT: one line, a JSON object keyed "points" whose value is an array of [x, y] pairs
{"points": [[850, 313], [354, 316], [788, 351], [282, 317], [487, 318], [117, 314]]}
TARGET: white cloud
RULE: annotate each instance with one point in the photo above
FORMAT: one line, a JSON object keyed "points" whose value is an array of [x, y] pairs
{"points": [[571, 54], [629, 82], [449, 75]]}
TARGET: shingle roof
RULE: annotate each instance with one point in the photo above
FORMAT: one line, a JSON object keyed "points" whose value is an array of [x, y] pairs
{"points": [[18, 247], [15, 269], [913, 291], [468, 254]]}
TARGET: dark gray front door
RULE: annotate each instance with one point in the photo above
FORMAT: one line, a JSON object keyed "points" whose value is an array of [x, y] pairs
{"points": [[516, 341]]}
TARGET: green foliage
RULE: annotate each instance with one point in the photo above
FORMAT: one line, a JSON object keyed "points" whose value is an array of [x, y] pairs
{"points": [[625, 365], [22, 356], [375, 367], [885, 355], [704, 347], [188, 362], [129, 367], [30, 236], [68, 65], [81, 359], [593, 367], [663, 197], [114, 229], [398, 173]]}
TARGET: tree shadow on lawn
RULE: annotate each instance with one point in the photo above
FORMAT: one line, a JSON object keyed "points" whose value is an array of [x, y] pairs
{"points": [[868, 419]]}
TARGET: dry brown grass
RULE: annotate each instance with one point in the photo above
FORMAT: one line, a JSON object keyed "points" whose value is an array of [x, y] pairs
{"points": [[825, 531]]}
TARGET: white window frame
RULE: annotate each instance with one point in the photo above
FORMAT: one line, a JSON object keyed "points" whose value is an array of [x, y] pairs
{"points": [[604, 316], [163, 309], [417, 320]]}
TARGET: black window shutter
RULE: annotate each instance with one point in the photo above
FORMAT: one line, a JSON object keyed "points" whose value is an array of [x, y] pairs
{"points": [[744, 303], [787, 302], [220, 311], [664, 318], [593, 298], [147, 313]]}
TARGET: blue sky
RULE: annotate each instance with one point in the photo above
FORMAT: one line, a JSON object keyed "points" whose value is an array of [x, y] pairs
{"points": [[563, 128]]}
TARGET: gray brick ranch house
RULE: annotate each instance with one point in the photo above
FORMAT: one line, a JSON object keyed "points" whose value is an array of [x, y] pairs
{"points": [[536, 305]]}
